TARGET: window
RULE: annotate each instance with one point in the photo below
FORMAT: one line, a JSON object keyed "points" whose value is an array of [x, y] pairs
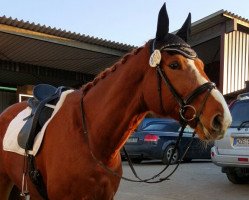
{"points": [[240, 113], [167, 127], [188, 129]]}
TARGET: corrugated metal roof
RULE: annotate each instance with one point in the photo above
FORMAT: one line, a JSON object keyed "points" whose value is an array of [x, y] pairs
{"points": [[214, 19], [63, 33], [233, 15], [35, 52], [35, 44], [40, 45]]}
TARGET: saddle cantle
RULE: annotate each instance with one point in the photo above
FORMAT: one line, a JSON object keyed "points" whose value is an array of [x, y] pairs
{"points": [[42, 106], [43, 91]]}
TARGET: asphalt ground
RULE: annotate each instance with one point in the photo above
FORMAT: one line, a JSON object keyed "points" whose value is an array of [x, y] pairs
{"points": [[197, 180]]}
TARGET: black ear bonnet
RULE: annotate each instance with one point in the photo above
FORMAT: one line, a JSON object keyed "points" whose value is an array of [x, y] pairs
{"points": [[177, 43]]}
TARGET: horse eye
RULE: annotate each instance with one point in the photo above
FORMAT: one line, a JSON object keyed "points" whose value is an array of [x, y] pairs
{"points": [[174, 65]]}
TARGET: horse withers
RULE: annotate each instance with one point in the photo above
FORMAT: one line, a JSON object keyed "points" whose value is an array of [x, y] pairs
{"points": [[85, 136]]}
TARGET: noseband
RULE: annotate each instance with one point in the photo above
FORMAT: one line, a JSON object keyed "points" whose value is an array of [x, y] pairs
{"points": [[184, 103]]}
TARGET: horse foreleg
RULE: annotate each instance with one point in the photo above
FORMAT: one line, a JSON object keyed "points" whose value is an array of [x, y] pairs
{"points": [[5, 187]]}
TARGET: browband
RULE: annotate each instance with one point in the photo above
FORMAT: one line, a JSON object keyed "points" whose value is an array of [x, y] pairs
{"points": [[185, 50], [182, 48]]}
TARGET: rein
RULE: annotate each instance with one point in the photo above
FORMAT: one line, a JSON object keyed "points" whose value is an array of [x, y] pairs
{"points": [[184, 104], [138, 180]]}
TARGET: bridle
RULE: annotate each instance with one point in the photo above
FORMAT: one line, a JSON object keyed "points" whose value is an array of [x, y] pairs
{"points": [[184, 104]]}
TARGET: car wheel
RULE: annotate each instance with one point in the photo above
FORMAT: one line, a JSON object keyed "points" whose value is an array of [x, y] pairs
{"points": [[236, 179], [167, 154]]}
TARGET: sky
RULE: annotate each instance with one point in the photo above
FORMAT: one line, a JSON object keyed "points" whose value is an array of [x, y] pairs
{"points": [[130, 22]]}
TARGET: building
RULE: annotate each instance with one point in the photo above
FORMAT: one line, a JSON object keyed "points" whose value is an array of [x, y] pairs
{"points": [[222, 42], [32, 54]]}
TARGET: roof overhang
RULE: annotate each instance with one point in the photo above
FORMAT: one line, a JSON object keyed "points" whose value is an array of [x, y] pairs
{"points": [[206, 33], [43, 46]]}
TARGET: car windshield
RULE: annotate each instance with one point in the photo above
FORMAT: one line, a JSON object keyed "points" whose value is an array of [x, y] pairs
{"points": [[240, 113], [169, 127]]}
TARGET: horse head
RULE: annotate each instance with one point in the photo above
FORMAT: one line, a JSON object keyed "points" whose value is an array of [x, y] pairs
{"points": [[184, 90]]}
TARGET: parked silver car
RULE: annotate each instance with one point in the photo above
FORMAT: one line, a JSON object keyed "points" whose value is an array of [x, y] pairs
{"points": [[232, 152]]}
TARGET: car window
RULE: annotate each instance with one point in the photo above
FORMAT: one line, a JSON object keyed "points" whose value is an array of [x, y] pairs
{"points": [[240, 113], [188, 129], [171, 127]]}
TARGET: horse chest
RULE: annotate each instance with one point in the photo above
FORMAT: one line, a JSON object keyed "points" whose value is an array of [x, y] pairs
{"points": [[94, 187]]}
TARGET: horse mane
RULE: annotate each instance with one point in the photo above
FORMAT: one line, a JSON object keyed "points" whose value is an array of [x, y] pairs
{"points": [[109, 70], [136, 119]]}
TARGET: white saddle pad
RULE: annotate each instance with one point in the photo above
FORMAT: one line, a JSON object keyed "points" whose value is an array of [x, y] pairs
{"points": [[10, 139]]}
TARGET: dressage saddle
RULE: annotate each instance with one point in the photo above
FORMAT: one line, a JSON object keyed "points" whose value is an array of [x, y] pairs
{"points": [[42, 106]]}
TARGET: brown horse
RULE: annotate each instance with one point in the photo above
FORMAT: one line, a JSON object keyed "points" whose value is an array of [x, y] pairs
{"points": [[114, 103]]}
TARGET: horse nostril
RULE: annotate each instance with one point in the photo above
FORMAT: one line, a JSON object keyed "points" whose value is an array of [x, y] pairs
{"points": [[217, 122]]}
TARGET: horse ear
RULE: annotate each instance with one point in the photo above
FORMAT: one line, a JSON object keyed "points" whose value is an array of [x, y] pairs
{"points": [[162, 24], [185, 31]]}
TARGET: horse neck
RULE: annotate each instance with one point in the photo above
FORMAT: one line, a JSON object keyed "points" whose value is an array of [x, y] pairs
{"points": [[115, 104]]}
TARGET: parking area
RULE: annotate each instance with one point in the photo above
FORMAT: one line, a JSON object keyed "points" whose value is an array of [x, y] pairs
{"points": [[198, 180]]}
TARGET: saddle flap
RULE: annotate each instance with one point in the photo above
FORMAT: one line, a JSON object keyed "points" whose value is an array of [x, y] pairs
{"points": [[24, 134], [40, 112]]}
